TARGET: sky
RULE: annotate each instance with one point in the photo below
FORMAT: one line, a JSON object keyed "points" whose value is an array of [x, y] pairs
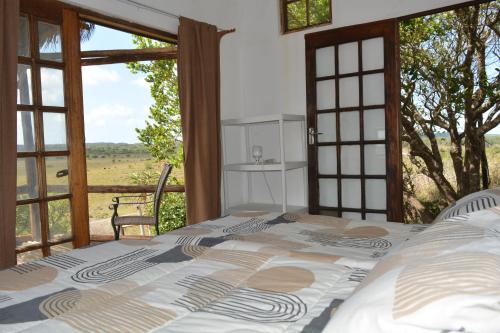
{"points": [[115, 100]]}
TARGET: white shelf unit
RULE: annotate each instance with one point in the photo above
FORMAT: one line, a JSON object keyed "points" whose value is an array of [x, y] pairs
{"points": [[282, 166]]}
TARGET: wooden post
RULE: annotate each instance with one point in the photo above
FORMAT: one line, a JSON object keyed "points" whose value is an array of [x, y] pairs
{"points": [[76, 129]]}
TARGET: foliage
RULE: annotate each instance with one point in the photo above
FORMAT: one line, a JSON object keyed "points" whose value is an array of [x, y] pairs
{"points": [[319, 12], [162, 135], [449, 86], [173, 206]]}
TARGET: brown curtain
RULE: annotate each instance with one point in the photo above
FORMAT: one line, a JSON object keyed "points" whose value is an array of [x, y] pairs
{"points": [[9, 17], [199, 90]]}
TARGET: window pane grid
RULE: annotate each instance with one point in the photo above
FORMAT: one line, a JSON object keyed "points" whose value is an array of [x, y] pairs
{"points": [[352, 176], [38, 216]]}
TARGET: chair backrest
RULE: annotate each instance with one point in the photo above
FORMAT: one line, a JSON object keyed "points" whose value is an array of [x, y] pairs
{"points": [[159, 190]]}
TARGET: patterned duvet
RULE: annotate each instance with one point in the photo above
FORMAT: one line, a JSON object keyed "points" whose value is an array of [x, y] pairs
{"points": [[250, 272]]}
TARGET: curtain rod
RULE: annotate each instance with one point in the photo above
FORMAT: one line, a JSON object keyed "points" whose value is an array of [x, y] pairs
{"points": [[159, 11]]}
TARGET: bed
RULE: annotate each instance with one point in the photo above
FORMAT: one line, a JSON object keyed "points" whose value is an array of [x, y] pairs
{"points": [[261, 272], [245, 272]]}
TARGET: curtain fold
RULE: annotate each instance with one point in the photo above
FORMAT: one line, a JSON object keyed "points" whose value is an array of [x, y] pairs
{"points": [[9, 19], [199, 92]]}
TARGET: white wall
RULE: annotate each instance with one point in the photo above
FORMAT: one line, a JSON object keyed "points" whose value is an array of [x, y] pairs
{"points": [[262, 71]]}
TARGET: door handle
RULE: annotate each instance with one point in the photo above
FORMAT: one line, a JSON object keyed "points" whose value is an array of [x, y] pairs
{"points": [[313, 134]]}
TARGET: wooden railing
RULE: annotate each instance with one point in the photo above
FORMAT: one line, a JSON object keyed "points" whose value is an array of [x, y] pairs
{"points": [[132, 188]]}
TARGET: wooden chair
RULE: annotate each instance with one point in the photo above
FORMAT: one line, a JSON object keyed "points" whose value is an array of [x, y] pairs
{"points": [[117, 222]]}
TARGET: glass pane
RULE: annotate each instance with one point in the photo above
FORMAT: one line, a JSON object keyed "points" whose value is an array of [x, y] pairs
{"points": [[327, 160], [373, 54], [59, 219], [373, 89], [375, 194], [24, 87], [349, 126], [349, 92], [28, 230], [23, 42], [27, 179], [325, 61], [49, 41], [376, 217], [61, 248], [350, 157], [327, 126], [375, 159], [25, 132], [348, 58], [374, 124], [57, 175], [351, 193], [25, 257], [54, 131], [52, 86], [319, 11], [352, 216], [325, 94], [296, 13], [328, 192]]}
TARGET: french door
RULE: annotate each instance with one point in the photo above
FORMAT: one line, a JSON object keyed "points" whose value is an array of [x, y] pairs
{"points": [[49, 186], [353, 105]]}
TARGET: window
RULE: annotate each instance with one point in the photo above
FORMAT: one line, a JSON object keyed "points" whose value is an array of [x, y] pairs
{"points": [[300, 14]]}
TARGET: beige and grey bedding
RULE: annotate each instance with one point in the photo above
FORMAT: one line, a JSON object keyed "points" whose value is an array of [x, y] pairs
{"points": [[249, 272]]}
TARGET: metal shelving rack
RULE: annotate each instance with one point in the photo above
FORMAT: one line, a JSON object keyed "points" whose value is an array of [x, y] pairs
{"points": [[283, 166]]}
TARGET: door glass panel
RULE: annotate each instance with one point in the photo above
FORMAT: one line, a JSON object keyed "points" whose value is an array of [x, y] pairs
{"points": [[57, 175], [348, 58], [350, 156], [325, 94], [327, 160], [374, 124], [28, 225], [325, 61], [24, 87], [59, 219], [375, 159], [376, 217], [49, 41], [54, 129], [349, 92], [373, 89], [23, 42], [352, 216], [373, 54], [327, 126], [25, 257], [328, 192], [349, 126], [375, 190], [351, 193], [25, 132], [52, 86], [61, 248], [27, 179]]}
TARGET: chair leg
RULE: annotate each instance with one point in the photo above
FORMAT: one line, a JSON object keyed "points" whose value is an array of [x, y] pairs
{"points": [[157, 230], [116, 229]]}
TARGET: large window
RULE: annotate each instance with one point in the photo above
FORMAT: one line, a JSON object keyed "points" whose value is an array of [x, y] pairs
{"points": [[301, 14], [43, 216]]}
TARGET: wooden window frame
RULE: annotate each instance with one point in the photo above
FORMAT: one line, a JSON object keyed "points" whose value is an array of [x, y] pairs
{"points": [[284, 16]]}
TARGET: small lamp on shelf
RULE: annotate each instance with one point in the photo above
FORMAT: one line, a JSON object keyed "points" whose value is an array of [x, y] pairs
{"points": [[257, 154]]}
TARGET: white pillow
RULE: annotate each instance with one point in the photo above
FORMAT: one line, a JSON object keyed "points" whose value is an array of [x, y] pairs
{"points": [[447, 278]]}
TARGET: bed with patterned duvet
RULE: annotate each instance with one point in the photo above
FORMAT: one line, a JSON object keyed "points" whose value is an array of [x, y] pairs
{"points": [[248, 272]]}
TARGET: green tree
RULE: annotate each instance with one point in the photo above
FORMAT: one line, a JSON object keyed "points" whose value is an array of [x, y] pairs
{"points": [[162, 134], [450, 80]]}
